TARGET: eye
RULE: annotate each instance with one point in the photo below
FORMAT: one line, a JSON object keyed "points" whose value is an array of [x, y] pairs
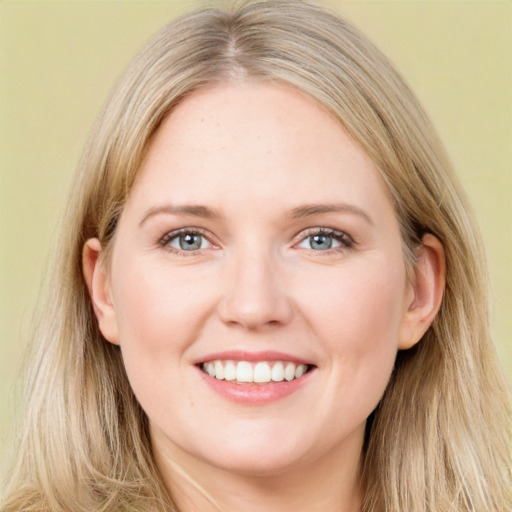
{"points": [[188, 241], [324, 240]]}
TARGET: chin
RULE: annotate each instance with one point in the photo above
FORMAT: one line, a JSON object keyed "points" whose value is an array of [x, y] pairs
{"points": [[258, 463]]}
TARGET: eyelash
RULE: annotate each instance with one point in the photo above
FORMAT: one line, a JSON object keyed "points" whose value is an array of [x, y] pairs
{"points": [[165, 241], [346, 242]]}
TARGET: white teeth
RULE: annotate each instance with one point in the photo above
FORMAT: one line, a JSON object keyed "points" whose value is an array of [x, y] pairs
{"points": [[210, 369], [262, 372], [244, 372], [299, 371], [229, 371], [289, 371], [278, 372], [219, 370]]}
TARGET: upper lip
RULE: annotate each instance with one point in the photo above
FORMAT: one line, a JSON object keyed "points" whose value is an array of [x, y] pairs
{"points": [[250, 356]]}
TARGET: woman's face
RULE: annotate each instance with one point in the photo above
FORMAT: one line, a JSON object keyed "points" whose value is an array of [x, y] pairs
{"points": [[258, 243]]}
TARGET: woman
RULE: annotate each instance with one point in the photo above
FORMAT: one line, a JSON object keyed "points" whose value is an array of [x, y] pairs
{"points": [[271, 291]]}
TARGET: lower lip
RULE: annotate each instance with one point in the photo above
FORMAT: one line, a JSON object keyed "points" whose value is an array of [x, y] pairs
{"points": [[254, 394]]}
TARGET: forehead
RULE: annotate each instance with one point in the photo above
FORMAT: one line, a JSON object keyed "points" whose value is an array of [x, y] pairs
{"points": [[255, 141]]}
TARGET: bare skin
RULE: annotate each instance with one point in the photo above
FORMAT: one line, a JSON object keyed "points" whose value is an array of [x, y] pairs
{"points": [[258, 229]]}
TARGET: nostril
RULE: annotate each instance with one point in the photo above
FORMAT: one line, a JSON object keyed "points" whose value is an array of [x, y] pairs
{"points": [[254, 316]]}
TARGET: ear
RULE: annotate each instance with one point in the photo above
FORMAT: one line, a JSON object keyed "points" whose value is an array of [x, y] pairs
{"points": [[424, 294], [98, 284]]}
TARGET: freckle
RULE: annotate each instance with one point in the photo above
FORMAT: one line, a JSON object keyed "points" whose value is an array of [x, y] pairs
{"points": [[202, 119], [269, 151], [223, 147]]}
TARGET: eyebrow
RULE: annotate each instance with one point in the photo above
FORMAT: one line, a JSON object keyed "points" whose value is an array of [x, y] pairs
{"points": [[191, 210], [197, 210], [317, 209]]}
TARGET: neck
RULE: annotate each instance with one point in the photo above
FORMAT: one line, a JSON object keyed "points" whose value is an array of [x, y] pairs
{"points": [[331, 483]]}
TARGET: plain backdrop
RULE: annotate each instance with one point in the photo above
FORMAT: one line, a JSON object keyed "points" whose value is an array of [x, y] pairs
{"points": [[58, 60]]}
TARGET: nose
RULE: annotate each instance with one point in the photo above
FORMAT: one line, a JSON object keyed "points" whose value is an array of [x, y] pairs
{"points": [[254, 293]]}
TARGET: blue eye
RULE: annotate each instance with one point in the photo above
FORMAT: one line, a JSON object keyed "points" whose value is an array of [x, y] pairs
{"points": [[325, 240], [186, 241], [319, 242]]}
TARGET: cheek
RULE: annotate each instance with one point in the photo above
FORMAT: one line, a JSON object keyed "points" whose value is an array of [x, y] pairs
{"points": [[159, 316], [363, 302], [156, 308], [357, 322]]}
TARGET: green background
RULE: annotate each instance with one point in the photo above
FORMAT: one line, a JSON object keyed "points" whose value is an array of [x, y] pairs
{"points": [[59, 59]]}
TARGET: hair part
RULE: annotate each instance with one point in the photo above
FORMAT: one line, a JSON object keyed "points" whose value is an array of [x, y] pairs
{"points": [[430, 445]]}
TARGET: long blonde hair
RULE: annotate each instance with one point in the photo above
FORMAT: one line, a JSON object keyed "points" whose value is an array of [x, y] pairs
{"points": [[439, 440]]}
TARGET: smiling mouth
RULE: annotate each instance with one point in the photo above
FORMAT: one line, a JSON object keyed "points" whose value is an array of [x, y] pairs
{"points": [[260, 372]]}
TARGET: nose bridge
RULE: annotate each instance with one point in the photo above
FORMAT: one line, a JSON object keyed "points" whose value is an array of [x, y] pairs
{"points": [[255, 293]]}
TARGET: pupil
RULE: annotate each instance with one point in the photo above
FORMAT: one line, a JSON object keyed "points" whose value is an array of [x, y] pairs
{"points": [[190, 241], [321, 242]]}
